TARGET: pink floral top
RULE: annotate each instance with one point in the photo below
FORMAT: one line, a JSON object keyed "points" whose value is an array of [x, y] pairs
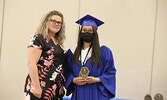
{"points": [[49, 69]]}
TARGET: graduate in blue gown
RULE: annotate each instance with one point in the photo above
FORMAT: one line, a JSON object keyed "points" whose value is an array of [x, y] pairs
{"points": [[89, 70]]}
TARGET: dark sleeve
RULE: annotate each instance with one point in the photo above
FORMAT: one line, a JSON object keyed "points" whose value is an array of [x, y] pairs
{"points": [[108, 77], [37, 41], [68, 73]]}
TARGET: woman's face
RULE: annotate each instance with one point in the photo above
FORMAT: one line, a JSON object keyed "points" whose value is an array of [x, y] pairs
{"points": [[55, 24]]}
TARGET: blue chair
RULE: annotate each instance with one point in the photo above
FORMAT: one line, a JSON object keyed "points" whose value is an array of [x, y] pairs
{"points": [[118, 99], [69, 98], [66, 98]]}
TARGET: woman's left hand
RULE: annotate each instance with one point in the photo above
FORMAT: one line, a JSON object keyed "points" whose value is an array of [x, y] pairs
{"points": [[91, 79]]}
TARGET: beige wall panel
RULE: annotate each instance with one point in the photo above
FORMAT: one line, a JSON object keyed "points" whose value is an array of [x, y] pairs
{"points": [[159, 83], [21, 19], [1, 18], [129, 32]]}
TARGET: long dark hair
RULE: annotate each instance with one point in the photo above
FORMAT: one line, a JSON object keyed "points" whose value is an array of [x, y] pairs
{"points": [[96, 53]]}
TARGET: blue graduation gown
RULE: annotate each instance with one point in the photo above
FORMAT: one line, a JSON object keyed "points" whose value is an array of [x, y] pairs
{"points": [[103, 90]]}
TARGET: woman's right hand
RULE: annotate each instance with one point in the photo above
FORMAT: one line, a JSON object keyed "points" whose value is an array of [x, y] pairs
{"points": [[79, 81], [37, 92]]}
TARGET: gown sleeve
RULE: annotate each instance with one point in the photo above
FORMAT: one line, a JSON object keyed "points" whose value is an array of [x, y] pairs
{"points": [[68, 73], [108, 77]]}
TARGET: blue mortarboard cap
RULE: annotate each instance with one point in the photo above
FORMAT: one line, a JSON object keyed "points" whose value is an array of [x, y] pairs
{"points": [[89, 20]]}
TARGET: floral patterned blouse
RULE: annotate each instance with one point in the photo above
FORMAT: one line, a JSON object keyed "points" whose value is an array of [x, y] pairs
{"points": [[49, 70]]}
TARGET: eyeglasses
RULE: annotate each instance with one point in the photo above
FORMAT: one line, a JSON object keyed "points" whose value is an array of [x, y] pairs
{"points": [[54, 21]]}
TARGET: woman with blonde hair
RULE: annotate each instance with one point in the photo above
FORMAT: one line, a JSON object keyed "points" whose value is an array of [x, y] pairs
{"points": [[45, 59]]}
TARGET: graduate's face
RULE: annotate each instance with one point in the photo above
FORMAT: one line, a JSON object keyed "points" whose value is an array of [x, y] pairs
{"points": [[87, 33], [88, 29], [55, 24]]}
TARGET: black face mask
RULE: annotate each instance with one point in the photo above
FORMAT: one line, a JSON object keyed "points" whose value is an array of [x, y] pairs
{"points": [[87, 37]]}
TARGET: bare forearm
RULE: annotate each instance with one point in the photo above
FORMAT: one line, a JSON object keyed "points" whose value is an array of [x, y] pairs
{"points": [[33, 72]]}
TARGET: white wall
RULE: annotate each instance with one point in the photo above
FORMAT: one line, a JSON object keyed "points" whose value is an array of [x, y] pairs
{"points": [[21, 19], [159, 76], [1, 19], [129, 32], [138, 43]]}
